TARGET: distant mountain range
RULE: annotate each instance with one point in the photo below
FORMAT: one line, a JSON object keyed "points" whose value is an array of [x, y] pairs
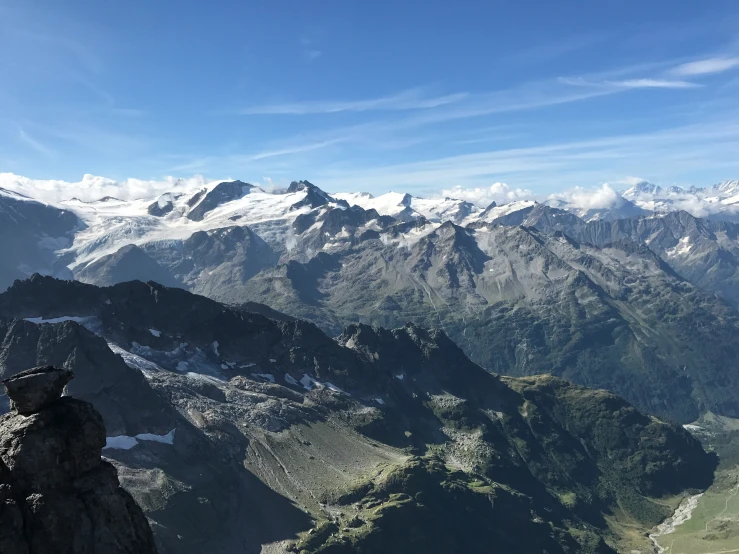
{"points": [[643, 305], [236, 420]]}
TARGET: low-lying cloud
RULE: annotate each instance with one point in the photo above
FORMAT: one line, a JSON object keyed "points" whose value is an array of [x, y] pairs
{"points": [[500, 193], [590, 199], [92, 187]]}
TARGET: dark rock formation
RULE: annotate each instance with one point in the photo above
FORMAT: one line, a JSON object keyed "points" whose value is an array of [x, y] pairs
{"points": [[222, 193], [32, 390], [56, 494]]}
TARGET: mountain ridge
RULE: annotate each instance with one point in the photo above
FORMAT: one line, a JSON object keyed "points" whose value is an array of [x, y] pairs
{"points": [[361, 439], [516, 295]]}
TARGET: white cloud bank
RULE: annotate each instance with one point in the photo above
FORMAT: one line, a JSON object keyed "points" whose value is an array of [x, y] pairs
{"points": [[413, 99], [582, 198], [501, 193], [92, 187], [653, 83], [599, 198]]}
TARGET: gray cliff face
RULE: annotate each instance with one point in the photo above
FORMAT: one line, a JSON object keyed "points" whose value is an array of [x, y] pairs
{"points": [[56, 493]]}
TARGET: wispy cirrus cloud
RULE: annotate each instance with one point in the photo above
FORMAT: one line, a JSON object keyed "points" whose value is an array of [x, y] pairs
{"points": [[667, 155], [502, 193], [527, 96], [412, 99], [84, 54], [28, 140], [296, 149], [706, 67], [653, 83], [403, 132], [614, 86], [310, 50]]}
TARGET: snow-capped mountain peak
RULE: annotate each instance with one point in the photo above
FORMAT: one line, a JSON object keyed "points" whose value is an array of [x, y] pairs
{"points": [[642, 188]]}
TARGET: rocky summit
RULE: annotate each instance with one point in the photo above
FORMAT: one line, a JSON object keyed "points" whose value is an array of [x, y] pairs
{"points": [[56, 493]]}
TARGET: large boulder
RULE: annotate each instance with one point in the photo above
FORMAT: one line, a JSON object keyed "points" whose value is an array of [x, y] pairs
{"points": [[31, 390], [56, 493]]}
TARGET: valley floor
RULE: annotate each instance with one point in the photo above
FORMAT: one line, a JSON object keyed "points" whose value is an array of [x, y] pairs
{"points": [[713, 527]]}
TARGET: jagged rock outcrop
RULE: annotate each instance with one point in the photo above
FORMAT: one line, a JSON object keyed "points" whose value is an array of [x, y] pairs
{"points": [[56, 493]]}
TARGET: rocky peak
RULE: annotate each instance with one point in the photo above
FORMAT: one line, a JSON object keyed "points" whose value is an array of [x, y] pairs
{"points": [[315, 197], [56, 493], [642, 187], [221, 193], [162, 206], [728, 187]]}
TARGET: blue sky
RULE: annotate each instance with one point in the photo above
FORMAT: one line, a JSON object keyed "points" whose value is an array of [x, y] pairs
{"points": [[417, 96]]}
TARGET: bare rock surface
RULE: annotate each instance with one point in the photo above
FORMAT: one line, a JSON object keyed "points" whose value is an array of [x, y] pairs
{"points": [[56, 493]]}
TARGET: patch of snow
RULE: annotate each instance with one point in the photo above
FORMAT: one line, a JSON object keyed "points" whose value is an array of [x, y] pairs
{"points": [[683, 247], [506, 209], [379, 401], [164, 439], [214, 346], [124, 442], [408, 239], [334, 388], [121, 442], [268, 376], [204, 378], [692, 427], [133, 360], [273, 360], [155, 333], [307, 382], [290, 379], [60, 319], [245, 366], [400, 376], [179, 359], [90, 322]]}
